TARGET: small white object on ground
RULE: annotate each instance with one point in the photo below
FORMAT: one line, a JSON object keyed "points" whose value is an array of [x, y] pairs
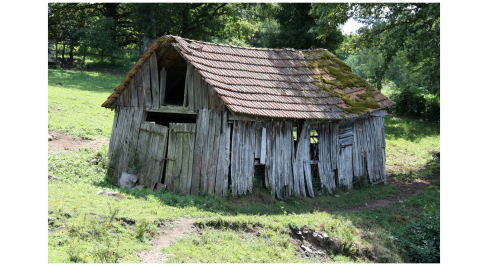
{"points": [[127, 180]]}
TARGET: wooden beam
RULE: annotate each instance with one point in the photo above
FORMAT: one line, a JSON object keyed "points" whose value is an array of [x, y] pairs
{"points": [[172, 110]]}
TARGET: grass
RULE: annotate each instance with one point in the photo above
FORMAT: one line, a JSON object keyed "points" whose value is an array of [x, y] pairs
{"points": [[86, 227], [74, 102], [410, 146]]}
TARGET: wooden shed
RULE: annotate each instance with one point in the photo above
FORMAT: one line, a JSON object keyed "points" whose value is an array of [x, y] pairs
{"points": [[199, 117]]}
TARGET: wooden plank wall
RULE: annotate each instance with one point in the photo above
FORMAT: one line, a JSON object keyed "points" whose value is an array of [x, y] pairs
{"points": [[326, 172], [179, 163], [125, 130], [302, 172], [151, 149], [369, 149], [129, 115], [211, 158], [345, 162], [353, 150], [242, 157], [199, 94], [279, 150]]}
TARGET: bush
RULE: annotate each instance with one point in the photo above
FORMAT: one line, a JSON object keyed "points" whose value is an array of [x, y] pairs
{"points": [[416, 103], [420, 241]]}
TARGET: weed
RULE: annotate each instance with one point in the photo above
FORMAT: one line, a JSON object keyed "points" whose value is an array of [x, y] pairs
{"points": [[144, 230], [75, 251], [105, 252]]}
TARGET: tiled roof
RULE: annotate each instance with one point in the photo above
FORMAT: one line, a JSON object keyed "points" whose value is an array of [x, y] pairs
{"points": [[281, 83]]}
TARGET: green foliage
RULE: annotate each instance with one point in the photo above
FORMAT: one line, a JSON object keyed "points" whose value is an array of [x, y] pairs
{"points": [[419, 241], [290, 25], [417, 103], [390, 29], [98, 35]]}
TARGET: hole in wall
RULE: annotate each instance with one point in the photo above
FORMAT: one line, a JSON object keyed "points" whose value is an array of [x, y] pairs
{"points": [[165, 118]]}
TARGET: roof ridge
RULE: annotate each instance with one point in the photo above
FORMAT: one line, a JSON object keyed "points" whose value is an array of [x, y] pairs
{"points": [[250, 47]]}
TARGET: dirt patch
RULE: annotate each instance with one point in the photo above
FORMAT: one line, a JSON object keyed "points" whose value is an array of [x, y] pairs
{"points": [[168, 235], [310, 244], [318, 245], [67, 143]]}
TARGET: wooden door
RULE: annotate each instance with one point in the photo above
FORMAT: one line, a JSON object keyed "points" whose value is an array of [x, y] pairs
{"points": [[345, 163], [151, 147], [179, 162]]}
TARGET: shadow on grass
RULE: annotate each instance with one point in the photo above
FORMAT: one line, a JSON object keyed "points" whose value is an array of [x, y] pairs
{"points": [[409, 129], [260, 202], [84, 80]]}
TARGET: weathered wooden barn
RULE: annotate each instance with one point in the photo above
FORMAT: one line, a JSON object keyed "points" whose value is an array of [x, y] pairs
{"points": [[205, 117]]}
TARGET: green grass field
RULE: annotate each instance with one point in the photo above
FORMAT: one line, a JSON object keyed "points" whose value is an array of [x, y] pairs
{"points": [[86, 227]]}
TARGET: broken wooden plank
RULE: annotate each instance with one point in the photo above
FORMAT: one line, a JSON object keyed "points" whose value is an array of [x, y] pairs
{"points": [[153, 69], [146, 85], [162, 86]]}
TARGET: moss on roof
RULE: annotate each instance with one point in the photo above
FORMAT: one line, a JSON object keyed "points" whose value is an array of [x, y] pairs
{"points": [[324, 62]]}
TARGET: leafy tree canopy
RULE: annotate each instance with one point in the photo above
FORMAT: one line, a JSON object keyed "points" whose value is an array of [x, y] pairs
{"points": [[391, 28]]}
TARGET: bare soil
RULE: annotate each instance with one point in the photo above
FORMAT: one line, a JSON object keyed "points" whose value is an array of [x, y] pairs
{"points": [[67, 143], [166, 237]]}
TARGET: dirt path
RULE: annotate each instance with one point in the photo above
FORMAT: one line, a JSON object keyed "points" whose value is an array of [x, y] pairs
{"points": [[66, 143], [168, 235]]}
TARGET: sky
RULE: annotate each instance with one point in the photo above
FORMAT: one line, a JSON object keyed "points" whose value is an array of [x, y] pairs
{"points": [[351, 26]]}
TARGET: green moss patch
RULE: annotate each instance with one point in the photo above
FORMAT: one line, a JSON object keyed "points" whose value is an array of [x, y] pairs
{"points": [[324, 62]]}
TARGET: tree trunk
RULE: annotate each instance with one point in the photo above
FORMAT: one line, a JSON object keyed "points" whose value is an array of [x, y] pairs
{"points": [[84, 55], [56, 55], [64, 49], [112, 57], [101, 60], [71, 56], [111, 12]]}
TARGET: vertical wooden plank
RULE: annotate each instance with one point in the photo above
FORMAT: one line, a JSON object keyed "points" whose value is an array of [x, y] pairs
{"points": [[162, 152], [220, 177], [198, 150], [191, 144], [185, 152], [189, 85], [208, 152], [250, 155], [140, 89], [227, 159], [153, 69], [234, 158], [133, 92], [197, 89], [213, 158], [146, 84], [162, 86], [262, 159], [126, 96], [171, 159], [113, 136]]}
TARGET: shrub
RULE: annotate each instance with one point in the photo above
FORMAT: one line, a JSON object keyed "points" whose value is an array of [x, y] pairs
{"points": [[420, 241], [416, 103]]}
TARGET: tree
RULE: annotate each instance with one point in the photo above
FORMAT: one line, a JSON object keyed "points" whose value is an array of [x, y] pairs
{"points": [[191, 20], [391, 28], [294, 28]]}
